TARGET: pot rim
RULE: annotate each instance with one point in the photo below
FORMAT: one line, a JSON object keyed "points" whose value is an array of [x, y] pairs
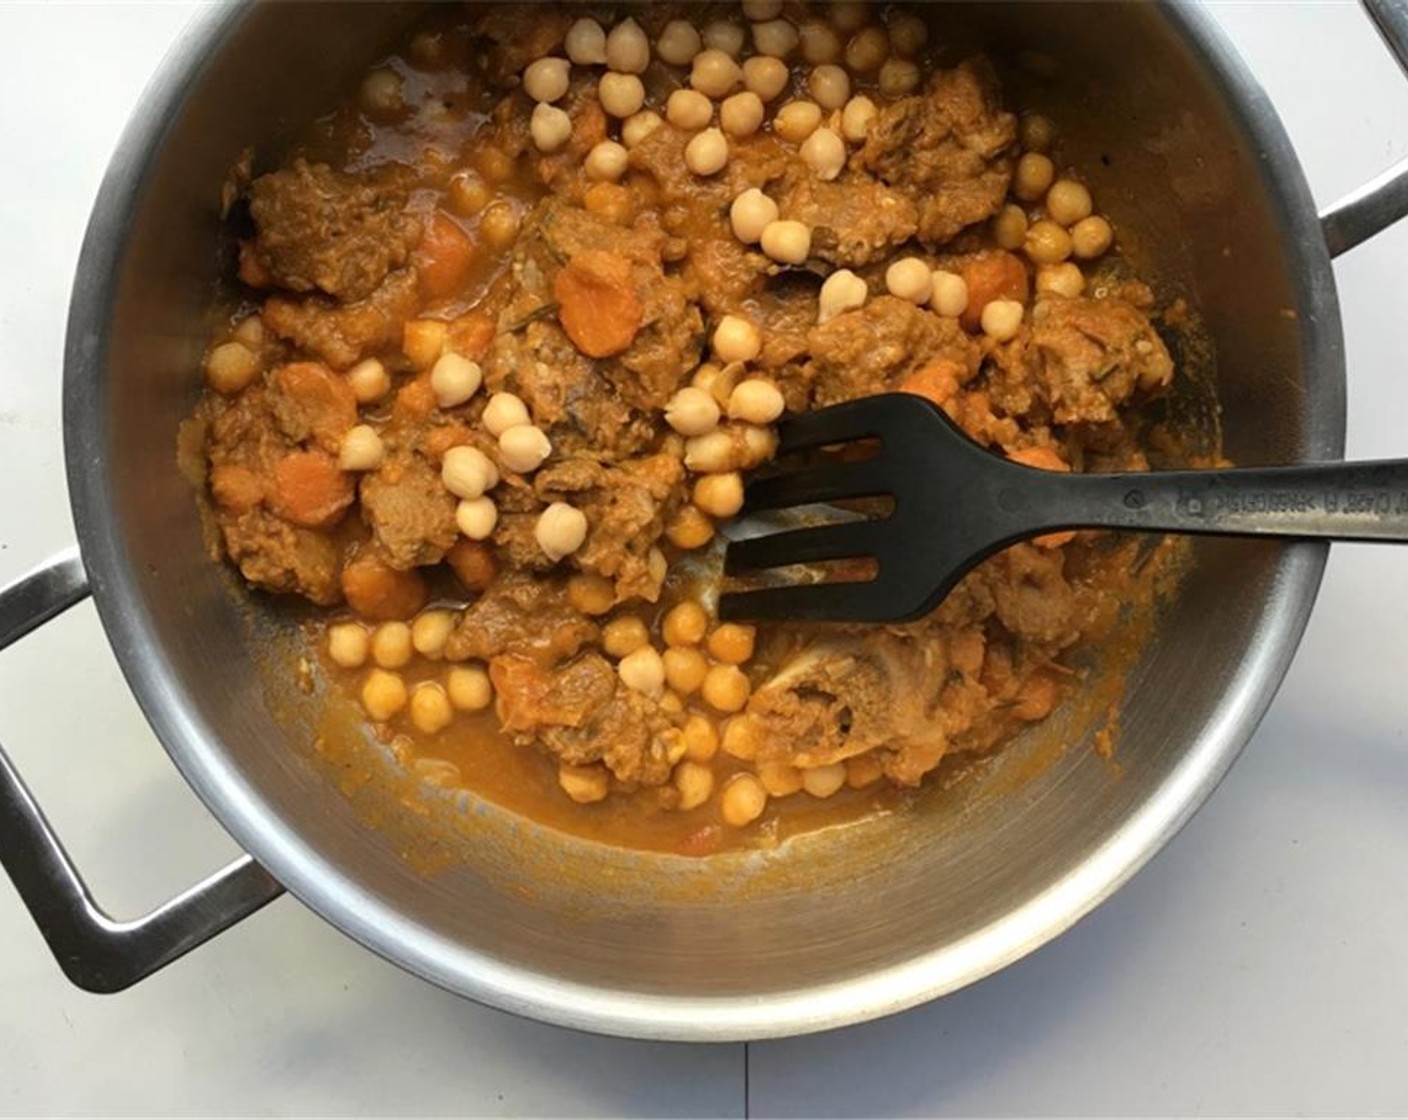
{"points": [[195, 747]]}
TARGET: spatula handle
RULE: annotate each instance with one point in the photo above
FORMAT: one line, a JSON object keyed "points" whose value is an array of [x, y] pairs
{"points": [[1342, 501]]}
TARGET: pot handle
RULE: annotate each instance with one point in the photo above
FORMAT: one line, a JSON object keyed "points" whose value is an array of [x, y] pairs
{"points": [[1384, 199], [97, 952]]}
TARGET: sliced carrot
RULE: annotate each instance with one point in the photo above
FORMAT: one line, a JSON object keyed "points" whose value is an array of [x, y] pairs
{"points": [[444, 257], [309, 489], [992, 274], [938, 381], [323, 402], [415, 400], [236, 488], [423, 341], [470, 335], [473, 564], [597, 302], [381, 593]]}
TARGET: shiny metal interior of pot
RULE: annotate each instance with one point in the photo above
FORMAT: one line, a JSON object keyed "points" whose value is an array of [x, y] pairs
{"points": [[837, 927]]}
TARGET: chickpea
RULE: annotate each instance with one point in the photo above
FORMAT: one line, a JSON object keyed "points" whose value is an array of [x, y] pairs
{"points": [[820, 43], [714, 73], [586, 43], [910, 279], [1091, 237], [606, 162], [476, 517], [742, 738], [250, 332], [361, 449], [348, 645], [1009, 227], [779, 779], [383, 694], [689, 109], [1067, 202], [643, 671], [751, 213], [787, 242], [391, 645], [1064, 279], [701, 739], [524, 448], [679, 42], [380, 93], [829, 85], [767, 77], [723, 36], [797, 120], [656, 565], [620, 94], [430, 631], [1002, 319], [732, 642], [849, 15], [685, 669], [627, 48], [706, 153], [825, 153], [422, 341], [744, 800], [908, 34], [842, 291], [950, 295], [546, 79], [754, 401], [469, 194], [1033, 177], [741, 114], [863, 770], [430, 708], [550, 128], [824, 781], [713, 451], [685, 624], [857, 117], [498, 227], [369, 381], [624, 635], [690, 529], [692, 412], [591, 594], [719, 495], [867, 50], [584, 784], [495, 164], [560, 530], [898, 77], [695, 782], [736, 339], [1047, 243], [1037, 132], [467, 472], [725, 688], [775, 38], [504, 411], [636, 127], [469, 688], [454, 379], [231, 367]]}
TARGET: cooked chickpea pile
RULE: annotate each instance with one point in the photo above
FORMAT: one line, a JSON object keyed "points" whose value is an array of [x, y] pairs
{"points": [[818, 84]]}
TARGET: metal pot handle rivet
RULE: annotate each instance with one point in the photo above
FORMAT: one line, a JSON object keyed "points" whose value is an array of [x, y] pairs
{"points": [[1384, 199], [97, 952]]}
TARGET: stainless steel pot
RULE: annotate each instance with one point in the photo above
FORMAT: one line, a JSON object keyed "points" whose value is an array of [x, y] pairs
{"points": [[834, 930]]}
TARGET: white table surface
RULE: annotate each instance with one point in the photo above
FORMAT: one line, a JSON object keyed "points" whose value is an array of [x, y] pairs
{"points": [[1259, 965]]}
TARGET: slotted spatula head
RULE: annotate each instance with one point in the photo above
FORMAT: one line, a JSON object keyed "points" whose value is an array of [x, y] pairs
{"points": [[951, 507]]}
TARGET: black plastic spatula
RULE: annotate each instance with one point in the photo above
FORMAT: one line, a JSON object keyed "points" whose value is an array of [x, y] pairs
{"points": [[955, 503]]}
